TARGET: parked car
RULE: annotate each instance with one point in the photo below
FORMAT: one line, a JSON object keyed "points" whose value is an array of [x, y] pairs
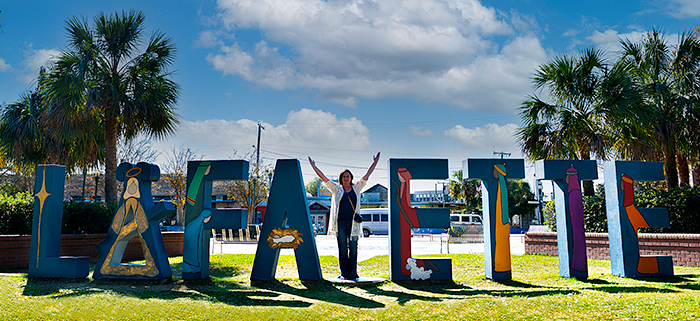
{"points": [[464, 219], [374, 221]]}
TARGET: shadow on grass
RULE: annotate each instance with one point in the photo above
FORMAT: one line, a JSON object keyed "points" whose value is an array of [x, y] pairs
{"points": [[516, 284], [665, 279], [453, 289], [695, 286], [226, 292], [630, 289], [322, 291], [593, 281], [402, 297]]}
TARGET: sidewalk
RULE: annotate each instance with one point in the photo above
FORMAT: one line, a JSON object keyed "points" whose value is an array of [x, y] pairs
{"points": [[374, 245]]}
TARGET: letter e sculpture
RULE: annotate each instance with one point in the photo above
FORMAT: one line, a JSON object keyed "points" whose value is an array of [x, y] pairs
{"points": [[625, 219]]}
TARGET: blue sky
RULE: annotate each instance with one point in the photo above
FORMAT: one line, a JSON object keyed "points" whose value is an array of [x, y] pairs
{"points": [[341, 80]]}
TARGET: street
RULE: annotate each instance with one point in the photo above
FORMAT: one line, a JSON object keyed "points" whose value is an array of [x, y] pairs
{"points": [[374, 245]]}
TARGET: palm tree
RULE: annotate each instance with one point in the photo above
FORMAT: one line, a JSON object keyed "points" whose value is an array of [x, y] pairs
{"points": [[22, 134], [103, 73], [586, 94], [30, 135], [464, 189], [667, 79]]}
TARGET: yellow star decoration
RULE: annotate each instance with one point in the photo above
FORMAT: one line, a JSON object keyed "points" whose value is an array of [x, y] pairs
{"points": [[42, 195]]}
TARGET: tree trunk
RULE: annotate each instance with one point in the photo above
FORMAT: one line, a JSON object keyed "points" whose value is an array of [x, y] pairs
{"points": [[588, 189], [670, 172], [180, 213], [111, 159], [683, 170]]}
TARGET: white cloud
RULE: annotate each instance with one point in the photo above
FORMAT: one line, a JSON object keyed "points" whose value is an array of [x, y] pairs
{"points": [[429, 50], [420, 131], [609, 40], [35, 59], [303, 130], [209, 39], [489, 137], [684, 8], [4, 67]]}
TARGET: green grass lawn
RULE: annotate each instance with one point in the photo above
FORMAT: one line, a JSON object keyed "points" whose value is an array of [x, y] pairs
{"points": [[536, 292]]}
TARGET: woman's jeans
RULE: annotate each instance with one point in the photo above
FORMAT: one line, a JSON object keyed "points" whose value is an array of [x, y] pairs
{"points": [[347, 250]]}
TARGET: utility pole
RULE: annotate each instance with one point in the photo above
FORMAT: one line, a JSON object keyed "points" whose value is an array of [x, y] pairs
{"points": [[254, 197], [501, 154], [257, 162]]}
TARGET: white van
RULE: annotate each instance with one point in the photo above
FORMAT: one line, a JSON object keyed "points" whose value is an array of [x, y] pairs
{"points": [[374, 221], [458, 219]]}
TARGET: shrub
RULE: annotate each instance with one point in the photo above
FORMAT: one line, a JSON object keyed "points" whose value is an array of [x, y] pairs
{"points": [[682, 204], [595, 218], [87, 218], [16, 212], [550, 215]]}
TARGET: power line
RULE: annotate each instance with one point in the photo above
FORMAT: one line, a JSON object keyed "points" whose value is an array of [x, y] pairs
{"points": [[319, 162]]}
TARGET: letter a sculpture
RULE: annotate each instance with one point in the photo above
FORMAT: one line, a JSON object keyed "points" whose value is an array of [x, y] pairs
{"points": [[136, 216]]}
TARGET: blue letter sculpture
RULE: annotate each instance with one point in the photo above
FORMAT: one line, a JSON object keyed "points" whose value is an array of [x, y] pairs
{"points": [[566, 176], [201, 218], [494, 195], [287, 224], [44, 259], [135, 216], [624, 219], [403, 217]]}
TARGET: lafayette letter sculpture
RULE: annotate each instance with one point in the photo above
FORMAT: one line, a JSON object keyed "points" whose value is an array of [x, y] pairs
{"points": [[287, 222], [571, 237], [45, 248], [135, 216], [404, 217]]}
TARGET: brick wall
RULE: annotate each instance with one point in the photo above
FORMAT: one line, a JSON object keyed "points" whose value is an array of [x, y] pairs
{"points": [[14, 249], [684, 248]]}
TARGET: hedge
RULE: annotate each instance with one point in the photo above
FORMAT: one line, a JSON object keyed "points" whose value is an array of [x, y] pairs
{"points": [[16, 212], [683, 204]]}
